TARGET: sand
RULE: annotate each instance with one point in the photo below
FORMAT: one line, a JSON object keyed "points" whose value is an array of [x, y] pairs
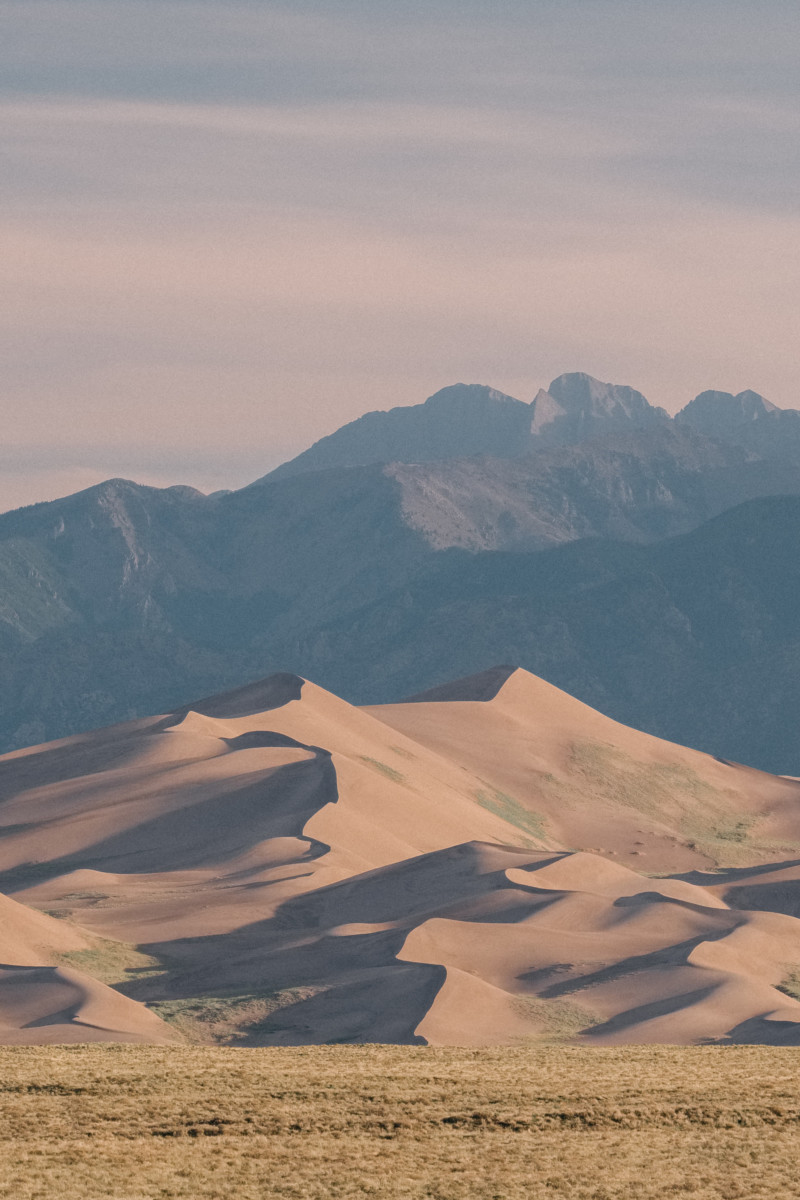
{"points": [[493, 862]]}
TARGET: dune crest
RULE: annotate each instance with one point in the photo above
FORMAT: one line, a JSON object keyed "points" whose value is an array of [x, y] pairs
{"points": [[490, 862], [594, 783]]}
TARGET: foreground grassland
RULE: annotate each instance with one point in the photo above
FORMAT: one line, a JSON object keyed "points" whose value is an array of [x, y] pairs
{"points": [[136, 1123]]}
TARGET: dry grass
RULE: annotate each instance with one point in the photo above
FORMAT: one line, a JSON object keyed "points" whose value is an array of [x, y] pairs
{"points": [[384, 768], [505, 806], [113, 962], [227, 1019], [790, 984], [705, 816], [135, 1123]]}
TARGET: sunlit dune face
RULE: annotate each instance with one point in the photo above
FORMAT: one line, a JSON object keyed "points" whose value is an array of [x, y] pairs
{"points": [[274, 866]]}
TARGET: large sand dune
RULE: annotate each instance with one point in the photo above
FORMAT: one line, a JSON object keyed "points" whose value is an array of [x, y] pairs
{"points": [[489, 862], [45, 1000]]}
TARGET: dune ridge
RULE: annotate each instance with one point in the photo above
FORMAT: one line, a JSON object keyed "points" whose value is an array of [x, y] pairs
{"points": [[45, 1000], [489, 862]]}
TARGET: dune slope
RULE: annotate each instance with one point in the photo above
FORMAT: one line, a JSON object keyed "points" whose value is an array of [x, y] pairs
{"points": [[43, 999], [274, 866], [597, 784]]}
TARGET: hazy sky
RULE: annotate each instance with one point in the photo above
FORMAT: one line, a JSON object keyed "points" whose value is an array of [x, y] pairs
{"points": [[227, 227]]}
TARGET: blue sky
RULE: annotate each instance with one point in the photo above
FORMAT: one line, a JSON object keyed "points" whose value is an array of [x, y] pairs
{"points": [[227, 228]]}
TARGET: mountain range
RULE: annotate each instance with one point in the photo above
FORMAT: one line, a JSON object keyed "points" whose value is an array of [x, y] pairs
{"points": [[489, 862], [645, 563], [470, 419]]}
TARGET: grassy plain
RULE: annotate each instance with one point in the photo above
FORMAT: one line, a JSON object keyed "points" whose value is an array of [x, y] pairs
{"points": [[538, 1123]]}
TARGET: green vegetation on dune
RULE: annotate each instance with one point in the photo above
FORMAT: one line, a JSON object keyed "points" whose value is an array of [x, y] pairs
{"points": [[227, 1019], [650, 788], [560, 1020], [494, 801], [307, 1123], [384, 768], [669, 792], [790, 984], [505, 806], [402, 752], [733, 829], [113, 962]]}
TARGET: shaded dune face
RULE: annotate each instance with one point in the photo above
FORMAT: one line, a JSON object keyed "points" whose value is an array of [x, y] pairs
{"points": [[489, 862], [483, 686], [45, 1000], [51, 1006]]}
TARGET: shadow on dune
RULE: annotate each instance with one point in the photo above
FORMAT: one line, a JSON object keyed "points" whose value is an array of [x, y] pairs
{"points": [[481, 687], [331, 940], [402, 894], [87, 754], [114, 747], [777, 895], [441, 883], [763, 1032], [273, 803], [782, 896], [384, 1005], [366, 994], [328, 939], [42, 990], [649, 1012], [263, 695], [669, 956], [731, 875]]}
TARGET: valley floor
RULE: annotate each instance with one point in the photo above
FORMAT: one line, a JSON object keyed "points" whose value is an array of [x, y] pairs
{"points": [[135, 1123]]}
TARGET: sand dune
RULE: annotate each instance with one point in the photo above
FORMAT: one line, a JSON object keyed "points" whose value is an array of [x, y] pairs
{"points": [[275, 866], [43, 999], [624, 959], [55, 1005], [28, 938], [597, 784]]}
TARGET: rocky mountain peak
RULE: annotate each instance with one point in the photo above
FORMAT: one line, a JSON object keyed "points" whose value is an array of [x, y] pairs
{"points": [[577, 392], [473, 420], [718, 414], [546, 413], [576, 407]]}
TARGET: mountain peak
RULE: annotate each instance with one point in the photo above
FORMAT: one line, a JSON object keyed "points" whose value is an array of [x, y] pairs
{"points": [[465, 396], [460, 421], [474, 420], [577, 406], [718, 414], [468, 420], [577, 392]]}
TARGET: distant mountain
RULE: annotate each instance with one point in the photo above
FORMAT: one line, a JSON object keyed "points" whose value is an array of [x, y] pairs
{"points": [[125, 599], [721, 414], [695, 638], [467, 420], [471, 420], [747, 420], [456, 422], [638, 486], [577, 407]]}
